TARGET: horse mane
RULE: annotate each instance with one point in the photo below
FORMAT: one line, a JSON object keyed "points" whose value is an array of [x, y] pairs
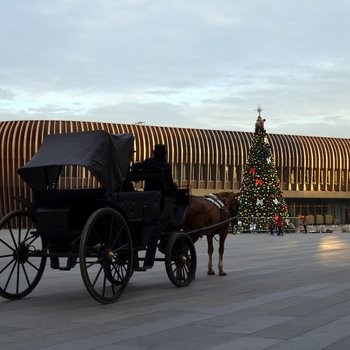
{"points": [[230, 200]]}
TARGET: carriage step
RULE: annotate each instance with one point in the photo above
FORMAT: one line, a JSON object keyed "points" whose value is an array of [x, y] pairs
{"points": [[55, 263], [142, 268]]}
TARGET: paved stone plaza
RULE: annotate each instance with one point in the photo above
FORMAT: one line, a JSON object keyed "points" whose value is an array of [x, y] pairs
{"points": [[290, 292]]}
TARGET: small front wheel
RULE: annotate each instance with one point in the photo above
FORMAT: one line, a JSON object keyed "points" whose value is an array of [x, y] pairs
{"points": [[106, 253], [180, 260]]}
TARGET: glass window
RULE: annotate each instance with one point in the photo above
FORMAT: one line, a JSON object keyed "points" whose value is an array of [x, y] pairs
{"points": [[307, 177], [335, 177], [314, 176], [194, 172], [300, 180], [228, 173], [292, 177], [328, 177], [322, 177]]}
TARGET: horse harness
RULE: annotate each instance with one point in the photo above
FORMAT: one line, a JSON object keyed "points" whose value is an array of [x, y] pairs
{"points": [[219, 202]]}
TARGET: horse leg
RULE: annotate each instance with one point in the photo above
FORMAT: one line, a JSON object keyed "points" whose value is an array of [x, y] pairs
{"points": [[221, 254], [210, 254]]}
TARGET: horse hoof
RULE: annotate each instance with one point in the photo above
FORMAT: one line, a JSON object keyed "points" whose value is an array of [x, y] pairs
{"points": [[211, 273], [223, 274]]}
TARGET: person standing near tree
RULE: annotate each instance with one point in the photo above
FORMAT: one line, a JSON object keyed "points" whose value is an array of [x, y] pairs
{"points": [[304, 222], [279, 224]]}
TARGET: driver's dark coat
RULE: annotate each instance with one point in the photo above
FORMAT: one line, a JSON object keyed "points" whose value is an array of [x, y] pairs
{"points": [[156, 163]]}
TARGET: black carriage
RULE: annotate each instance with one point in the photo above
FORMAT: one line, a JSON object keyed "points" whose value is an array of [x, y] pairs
{"points": [[104, 229]]}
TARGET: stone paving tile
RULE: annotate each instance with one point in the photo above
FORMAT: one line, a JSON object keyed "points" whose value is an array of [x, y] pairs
{"points": [[274, 308], [83, 335], [343, 344], [187, 337], [315, 304], [264, 299], [247, 343], [340, 309], [318, 338], [287, 293], [325, 292], [256, 324], [295, 327]]}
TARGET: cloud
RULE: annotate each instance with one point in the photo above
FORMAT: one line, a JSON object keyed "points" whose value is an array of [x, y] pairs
{"points": [[6, 94], [177, 63]]}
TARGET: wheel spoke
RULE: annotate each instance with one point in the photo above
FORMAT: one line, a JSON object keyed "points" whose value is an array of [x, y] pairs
{"points": [[7, 265], [19, 232], [120, 271], [7, 245], [120, 248], [13, 237], [28, 229], [97, 276], [17, 284], [25, 273], [116, 238], [113, 289], [32, 265], [9, 278], [104, 285], [30, 240], [98, 261]]}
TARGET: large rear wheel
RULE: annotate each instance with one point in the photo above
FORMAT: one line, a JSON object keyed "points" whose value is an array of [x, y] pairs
{"points": [[21, 255], [180, 260], [106, 253]]}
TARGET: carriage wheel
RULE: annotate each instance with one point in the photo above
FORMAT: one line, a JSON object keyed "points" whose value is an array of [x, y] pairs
{"points": [[106, 255], [21, 250], [180, 260]]}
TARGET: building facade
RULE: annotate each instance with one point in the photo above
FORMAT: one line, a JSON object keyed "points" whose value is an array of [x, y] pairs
{"points": [[314, 171]]}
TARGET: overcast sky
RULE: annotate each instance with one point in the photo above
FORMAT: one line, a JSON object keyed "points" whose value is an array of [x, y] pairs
{"points": [[194, 63]]}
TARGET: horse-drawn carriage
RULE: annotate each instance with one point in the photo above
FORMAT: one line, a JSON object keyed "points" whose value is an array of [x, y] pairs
{"points": [[103, 229]]}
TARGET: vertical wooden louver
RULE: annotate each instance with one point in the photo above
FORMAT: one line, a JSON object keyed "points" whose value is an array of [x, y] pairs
{"points": [[207, 160]]}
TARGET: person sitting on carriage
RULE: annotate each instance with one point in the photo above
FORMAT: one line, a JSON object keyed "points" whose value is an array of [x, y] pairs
{"points": [[168, 186], [158, 161]]}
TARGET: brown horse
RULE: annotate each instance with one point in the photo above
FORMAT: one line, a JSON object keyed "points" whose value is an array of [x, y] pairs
{"points": [[207, 211]]}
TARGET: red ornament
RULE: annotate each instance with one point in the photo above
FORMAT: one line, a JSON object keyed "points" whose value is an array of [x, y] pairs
{"points": [[252, 171], [259, 182]]}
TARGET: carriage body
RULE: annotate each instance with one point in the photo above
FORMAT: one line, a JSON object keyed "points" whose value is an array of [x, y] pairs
{"points": [[104, 229], [61, 215]]}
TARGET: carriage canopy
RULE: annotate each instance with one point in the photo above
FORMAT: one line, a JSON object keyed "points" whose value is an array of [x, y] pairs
{"points": [[107, 156]]}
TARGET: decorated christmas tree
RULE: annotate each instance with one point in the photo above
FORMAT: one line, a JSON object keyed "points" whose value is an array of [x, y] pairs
{"points": [[261, 199]]}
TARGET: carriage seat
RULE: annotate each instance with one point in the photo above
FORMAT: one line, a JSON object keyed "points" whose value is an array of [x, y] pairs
{"points": [[63, 197], [140, 205], [65, 209]]}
